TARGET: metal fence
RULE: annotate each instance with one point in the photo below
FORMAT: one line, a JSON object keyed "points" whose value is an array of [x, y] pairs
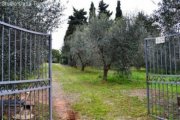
{"points": [[25, 84], [163, 76]]}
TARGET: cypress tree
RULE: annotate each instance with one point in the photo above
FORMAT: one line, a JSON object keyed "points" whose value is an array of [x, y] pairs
{"points": [[103, 9], [92, 11], [78, 18], [118, 10]]}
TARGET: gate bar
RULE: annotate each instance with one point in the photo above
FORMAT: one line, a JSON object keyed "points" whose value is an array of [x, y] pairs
{"points": [[22, 29], [23, 81], [145, 46], [25, 90], [50, 76], [150, 38]]}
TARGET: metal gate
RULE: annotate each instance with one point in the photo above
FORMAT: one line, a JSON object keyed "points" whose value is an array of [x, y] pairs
{"points": [[25, 75], [163, 76]]}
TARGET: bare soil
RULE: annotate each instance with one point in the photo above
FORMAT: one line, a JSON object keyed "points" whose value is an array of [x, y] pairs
{"points": [[60, 104], [140, 93]]}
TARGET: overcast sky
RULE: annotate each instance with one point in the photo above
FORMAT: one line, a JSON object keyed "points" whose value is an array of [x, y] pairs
{"points": [[127, 6]]}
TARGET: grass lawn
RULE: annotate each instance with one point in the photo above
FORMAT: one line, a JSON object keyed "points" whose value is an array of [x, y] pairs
{"points": [[94, 99]]}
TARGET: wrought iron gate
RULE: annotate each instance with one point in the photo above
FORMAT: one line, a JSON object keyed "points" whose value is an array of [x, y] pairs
{"points": [[25, 84], [163, 76]]}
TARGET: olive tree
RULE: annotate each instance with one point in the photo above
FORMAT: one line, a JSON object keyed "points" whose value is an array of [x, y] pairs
{"points": [[36, 15], [99, 30], [79, 47], [127, 40], [114, 43], [107, 43], [39, 15]]}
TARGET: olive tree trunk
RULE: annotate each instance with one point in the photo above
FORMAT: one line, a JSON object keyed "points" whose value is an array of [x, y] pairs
{"points": [[105, 73]]}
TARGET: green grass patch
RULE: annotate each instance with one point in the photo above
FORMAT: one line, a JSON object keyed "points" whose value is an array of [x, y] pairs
{"points": [[94, 99]]}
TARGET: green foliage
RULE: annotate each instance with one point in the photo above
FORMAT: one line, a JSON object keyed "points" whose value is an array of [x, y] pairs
{"points": [[168, 15], [100, 40], [103, 9], [126, 38], [148, 29], [56, 56], [79, 47], [92, 11], [118, 11], [148, 23], [78, 18], [42, 16], [108, 43], [36, 15], [65, 54]]}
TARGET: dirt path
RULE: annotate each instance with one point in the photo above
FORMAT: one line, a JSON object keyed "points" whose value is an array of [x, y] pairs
{"points": [[60, 105]]}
